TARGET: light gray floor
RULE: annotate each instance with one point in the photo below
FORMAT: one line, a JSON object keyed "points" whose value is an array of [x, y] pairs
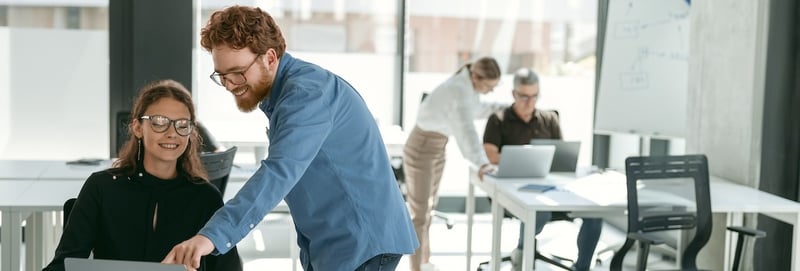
{"points": [[447, 245], [267, 247]]}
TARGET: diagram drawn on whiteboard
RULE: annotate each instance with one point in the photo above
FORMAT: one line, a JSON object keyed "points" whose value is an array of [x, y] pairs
{"points": [[644, 69]]}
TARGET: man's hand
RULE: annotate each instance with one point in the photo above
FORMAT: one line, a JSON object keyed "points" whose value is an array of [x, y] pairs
{"points": [[486, 168], [189, 252]]}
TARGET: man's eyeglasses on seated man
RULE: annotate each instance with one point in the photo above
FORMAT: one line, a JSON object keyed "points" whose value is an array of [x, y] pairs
{"points": [[525, 98]]}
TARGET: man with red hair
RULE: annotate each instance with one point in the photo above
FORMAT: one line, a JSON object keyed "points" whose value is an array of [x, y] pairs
{"points": [[326, 157]]}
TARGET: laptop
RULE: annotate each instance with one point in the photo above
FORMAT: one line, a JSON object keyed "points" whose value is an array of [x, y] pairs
{"points": [[81, 264], [566, 157], [525, 161]]}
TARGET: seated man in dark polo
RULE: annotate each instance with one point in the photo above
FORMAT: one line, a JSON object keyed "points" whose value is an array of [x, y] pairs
{"points": [[517, 125]]}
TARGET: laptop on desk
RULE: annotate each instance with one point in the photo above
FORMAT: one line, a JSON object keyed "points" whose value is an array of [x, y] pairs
{"points": [[525, 161], [81, 264], [566, 157]]}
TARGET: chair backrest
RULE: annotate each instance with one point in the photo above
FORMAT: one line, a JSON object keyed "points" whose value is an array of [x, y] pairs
{"points": [[68, 209], [218, 165], [657, 169]]}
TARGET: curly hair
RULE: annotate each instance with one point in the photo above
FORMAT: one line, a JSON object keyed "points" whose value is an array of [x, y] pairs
{"points": [[243, 27], [189, 162]]}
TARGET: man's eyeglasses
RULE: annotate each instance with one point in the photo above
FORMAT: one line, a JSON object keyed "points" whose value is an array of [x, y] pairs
{"points": [[160, 124], [236, 78], [525, 98]]}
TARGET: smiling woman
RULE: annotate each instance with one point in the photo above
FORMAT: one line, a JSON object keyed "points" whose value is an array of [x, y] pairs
{"points": [[154, 196]]}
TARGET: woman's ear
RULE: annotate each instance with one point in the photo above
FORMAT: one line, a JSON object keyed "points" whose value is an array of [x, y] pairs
{"points": [[136, 128]]}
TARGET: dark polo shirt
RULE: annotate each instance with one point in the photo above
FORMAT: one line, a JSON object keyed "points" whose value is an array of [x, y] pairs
{"points": [[504, 127]]}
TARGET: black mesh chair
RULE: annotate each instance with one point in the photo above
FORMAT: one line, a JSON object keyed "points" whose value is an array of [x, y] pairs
{"points": [[68, 209], [218, 165], [669, 178]]}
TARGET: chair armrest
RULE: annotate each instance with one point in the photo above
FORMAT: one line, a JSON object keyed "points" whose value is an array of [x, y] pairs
{"points": [[748, 231], [645, 238]]}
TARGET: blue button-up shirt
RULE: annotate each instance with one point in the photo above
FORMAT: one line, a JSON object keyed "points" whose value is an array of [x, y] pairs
{"points": [[328, 161]]}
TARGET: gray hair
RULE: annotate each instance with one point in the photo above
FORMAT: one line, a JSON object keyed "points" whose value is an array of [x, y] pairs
{"points": [[525, 76]]}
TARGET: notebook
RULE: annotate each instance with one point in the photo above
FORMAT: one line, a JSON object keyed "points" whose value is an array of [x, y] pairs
{"points": [[525, 161], [81, 264], [566, 157]]}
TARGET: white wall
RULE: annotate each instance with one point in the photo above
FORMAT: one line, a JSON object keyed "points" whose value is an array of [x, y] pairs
{"points": [[726, 94], [57, 94], [5, 88]]}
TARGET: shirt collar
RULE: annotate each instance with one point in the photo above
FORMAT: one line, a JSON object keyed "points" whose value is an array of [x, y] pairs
{"points": [[512, 115], [284, 63]]}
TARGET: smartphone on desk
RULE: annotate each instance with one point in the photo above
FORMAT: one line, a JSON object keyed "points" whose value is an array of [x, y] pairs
{"points": [[539, 188]]}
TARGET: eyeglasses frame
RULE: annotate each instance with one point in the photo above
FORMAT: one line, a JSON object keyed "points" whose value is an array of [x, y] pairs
{"points": [[222, 79], [173, 123]]}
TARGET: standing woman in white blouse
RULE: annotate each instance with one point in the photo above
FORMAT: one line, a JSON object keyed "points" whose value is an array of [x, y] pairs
{"points": [[448, 111]]}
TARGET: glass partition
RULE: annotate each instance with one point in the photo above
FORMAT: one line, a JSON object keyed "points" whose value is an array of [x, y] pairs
{"points": [[554, 37], [354, 39], [54, 80]]}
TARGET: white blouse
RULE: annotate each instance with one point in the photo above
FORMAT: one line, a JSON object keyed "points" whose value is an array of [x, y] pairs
{"points": [[451, 110]]}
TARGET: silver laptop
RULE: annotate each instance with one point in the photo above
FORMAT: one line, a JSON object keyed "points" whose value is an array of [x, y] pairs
{"points": [[525, 161], [81, 264], [566, 157]]}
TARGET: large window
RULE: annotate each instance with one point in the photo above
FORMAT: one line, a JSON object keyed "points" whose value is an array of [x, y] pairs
{"points": [[54, 80], [354, 39], [554, 37], [66, 43]]}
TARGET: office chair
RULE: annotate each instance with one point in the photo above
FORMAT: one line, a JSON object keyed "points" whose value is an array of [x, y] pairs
{"points": [[397, 168], [218, 165], [666, 177], [68, 209], [538, 255]]}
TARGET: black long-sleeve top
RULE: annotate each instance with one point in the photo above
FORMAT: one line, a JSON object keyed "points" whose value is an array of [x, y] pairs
{"points": [[113, 218]]}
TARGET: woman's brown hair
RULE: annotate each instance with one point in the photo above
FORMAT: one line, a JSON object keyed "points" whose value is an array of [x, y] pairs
{"points": [[483, 68], [189, 162], [243, 27]]}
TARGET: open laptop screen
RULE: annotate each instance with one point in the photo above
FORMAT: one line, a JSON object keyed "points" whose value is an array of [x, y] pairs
{"points": [[566, 157], [524, 161]]}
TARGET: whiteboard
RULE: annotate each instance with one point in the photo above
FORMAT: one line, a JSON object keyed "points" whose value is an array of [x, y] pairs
{"points": [[643, 75]]}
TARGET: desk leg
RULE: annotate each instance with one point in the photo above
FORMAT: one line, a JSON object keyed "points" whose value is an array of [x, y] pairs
{"points": [[294, 251], [34, 230], [731, 219], [795, 241], [260, 153], [497, 223], [12, 240], [529, 247], [470, 205]]}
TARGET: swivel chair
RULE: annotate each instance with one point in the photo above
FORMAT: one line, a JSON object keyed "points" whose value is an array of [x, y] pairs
{"points": [[218, 165], [68, 209], [657, 201]]}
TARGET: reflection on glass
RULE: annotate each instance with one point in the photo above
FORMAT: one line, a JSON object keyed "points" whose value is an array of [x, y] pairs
{"points": [[54, 80]]}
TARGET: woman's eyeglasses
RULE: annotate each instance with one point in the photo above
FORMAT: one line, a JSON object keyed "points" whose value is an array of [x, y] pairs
{"points": [[160, 124]]}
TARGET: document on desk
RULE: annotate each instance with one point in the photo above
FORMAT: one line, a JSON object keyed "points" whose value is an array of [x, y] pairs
{"points": [[540, 188]]}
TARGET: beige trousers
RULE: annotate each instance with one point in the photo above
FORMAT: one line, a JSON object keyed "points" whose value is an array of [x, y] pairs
{"points": [[423, 164]]}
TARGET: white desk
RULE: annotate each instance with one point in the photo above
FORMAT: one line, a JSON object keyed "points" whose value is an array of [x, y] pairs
{"points": [[255, 139], [29, 189], [581, 196]]}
